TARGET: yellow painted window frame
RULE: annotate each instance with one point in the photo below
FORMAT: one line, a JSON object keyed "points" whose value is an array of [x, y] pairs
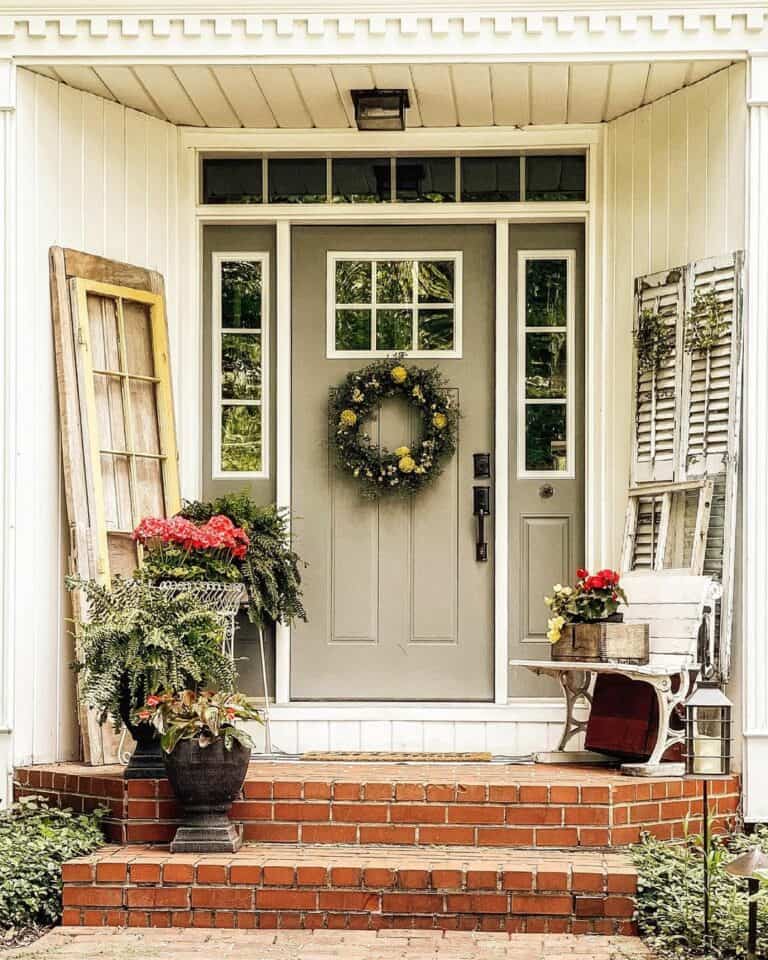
{"points": [[168, 456]]}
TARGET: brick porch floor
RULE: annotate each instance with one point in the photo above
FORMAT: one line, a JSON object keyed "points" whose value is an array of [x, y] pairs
{"points": [[92, 943]]}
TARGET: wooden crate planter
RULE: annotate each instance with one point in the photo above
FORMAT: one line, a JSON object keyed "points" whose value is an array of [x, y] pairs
{"points": [[603, 642]]}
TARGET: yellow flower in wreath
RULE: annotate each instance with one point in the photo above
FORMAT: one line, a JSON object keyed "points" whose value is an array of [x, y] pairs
{"points": [[402, 451], [440, 421], [406, 465], [399, 374], [347, 418]]}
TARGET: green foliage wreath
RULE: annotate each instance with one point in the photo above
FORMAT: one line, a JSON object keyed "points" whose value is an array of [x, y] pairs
{"points": [[412, 466]]}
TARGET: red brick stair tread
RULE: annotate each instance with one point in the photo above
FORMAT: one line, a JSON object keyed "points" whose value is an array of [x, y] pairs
{"points": [[351, 887], [484, 805]]}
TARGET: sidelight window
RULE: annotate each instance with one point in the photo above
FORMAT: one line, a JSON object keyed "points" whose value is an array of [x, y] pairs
{"points": [[545, 363], [239, 355], [385, 303]]}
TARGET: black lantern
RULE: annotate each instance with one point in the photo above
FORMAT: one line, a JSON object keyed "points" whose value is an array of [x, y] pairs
{"points": [[380, 109], [708, 732]]}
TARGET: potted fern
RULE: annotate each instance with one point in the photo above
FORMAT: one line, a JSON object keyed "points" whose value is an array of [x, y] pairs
{"points": [[137, 642], [206, 755]]}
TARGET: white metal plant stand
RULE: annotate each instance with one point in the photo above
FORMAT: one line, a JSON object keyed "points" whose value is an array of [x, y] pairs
{"points": [[223, 599]]}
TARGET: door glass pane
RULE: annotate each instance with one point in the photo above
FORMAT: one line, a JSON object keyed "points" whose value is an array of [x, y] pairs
{"points": [[110, 412], [232, 180], [426, 179], [297, 180], [490, 179], [241, 438], [150, 497], [436, 281], [241, 283], [353, 281], [394, 330], [546, 293], [353, 329], [241, 366], [436, 329], [116, 489], [139, 357], [102, 325], [394, 281], [146, 432], [362, 180], [545, 365], [545, 437], [555, 178]]}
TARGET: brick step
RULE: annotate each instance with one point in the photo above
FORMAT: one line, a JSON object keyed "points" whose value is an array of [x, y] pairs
{"points": [[482, 804], [351, 887]]}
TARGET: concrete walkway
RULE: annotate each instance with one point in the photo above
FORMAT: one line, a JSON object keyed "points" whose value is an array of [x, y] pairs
{"points": [[122, 944]]}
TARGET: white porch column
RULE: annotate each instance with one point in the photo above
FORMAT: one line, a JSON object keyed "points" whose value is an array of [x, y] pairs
{"points": [[8, 254], [755, 464]]}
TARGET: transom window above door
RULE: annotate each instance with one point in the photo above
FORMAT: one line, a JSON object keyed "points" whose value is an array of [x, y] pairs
{"points": [[394, 302]]}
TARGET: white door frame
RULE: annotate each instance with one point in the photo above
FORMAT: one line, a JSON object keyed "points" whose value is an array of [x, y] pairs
{"points": [[284, 217]]}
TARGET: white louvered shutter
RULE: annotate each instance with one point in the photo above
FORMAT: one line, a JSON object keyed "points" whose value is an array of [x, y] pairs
{"points": [[655, 447], [711, 418], [710, 395]]}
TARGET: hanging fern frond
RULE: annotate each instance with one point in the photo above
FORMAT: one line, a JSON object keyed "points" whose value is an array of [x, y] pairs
{"points": [[140, 640]]}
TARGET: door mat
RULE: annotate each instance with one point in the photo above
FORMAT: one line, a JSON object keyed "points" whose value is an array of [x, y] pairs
{"points": [[352, 756]]}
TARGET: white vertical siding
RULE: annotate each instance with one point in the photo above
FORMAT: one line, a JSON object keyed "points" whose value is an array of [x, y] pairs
{"points": [[675, 186], [93, 175]]}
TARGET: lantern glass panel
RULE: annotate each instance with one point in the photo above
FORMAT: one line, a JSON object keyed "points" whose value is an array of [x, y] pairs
{"points": [[708, 740]]}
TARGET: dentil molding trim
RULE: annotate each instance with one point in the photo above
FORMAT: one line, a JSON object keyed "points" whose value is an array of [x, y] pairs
{"points": [[652, 28]]}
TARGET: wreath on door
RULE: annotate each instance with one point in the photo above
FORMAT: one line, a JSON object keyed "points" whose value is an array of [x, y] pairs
{"points": [[409, 467]]}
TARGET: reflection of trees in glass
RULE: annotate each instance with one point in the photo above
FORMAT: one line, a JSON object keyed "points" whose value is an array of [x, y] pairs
{"points": [[361, 180], [353, 281], [240, 366], [241, 438], [545, 290], [240, 294], [394, 281], [394, 329], [436, 281], [545, 365], [353, 329], [545, 426], [435, 329]]}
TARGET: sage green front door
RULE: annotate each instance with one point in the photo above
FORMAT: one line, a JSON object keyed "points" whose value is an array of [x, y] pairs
{"points": [[399, 607]]}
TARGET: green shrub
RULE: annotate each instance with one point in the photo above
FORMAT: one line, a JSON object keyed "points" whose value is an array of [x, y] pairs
{"points": [[670, 898], [34, 842]]}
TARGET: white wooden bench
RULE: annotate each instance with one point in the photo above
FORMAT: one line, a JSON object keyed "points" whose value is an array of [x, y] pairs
{"points": [[675, 605]]}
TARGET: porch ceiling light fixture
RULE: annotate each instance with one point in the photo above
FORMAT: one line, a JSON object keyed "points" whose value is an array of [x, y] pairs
{"points": [[380, 109]]}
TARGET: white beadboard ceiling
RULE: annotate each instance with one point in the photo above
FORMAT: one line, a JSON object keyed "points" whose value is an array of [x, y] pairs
{"points": [[441, 94]]}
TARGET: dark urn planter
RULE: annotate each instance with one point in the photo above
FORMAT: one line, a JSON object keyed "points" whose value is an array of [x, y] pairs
{"points": [[206, 780], [146, 762]]}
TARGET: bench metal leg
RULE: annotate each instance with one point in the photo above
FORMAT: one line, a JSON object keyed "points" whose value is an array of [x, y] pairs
{"points": [[576, 686], [668, 701]]}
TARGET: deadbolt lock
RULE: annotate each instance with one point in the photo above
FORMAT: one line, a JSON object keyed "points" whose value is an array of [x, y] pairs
{"points": [[546, 491]]}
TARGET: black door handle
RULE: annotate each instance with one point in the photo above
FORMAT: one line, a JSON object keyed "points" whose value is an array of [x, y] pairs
{"points": [[481, 502]]}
